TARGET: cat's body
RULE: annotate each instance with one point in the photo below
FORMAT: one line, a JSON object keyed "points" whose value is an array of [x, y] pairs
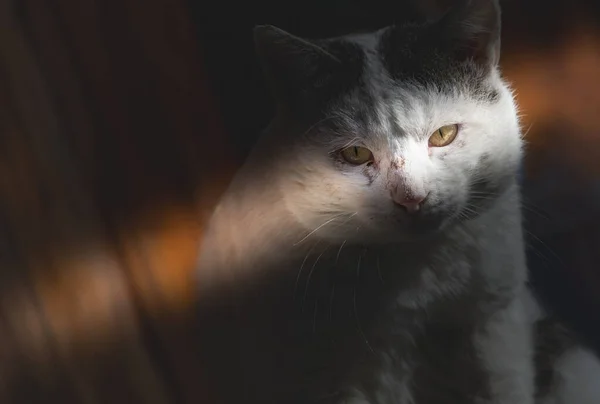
{"points": [[434, 331], [399, 277]]}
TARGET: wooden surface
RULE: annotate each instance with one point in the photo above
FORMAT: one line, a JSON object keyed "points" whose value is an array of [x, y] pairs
{"points": [[105, 127], [112, 153]]}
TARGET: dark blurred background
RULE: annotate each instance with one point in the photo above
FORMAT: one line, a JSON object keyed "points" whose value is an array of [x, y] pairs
{"points": [[122, 121]]}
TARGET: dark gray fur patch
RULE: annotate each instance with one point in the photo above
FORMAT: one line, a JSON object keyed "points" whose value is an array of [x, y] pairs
{"points": [[448, 369], [343, 81], [409, 55], [306, 75], [552, 340], [359, 109], [397, 56]]}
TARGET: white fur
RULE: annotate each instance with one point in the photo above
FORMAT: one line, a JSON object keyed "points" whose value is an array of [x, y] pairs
{"points": [[578, 372], [391, 389], [505, 346]]}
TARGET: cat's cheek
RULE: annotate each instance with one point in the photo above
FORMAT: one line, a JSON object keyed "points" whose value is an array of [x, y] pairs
{"points": [[338, 164], [441, 153], [436, 154], [371, 173], [460, 144]]}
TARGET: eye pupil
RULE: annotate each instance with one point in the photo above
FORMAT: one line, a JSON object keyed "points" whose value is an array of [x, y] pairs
{"points": [[443, 136]]}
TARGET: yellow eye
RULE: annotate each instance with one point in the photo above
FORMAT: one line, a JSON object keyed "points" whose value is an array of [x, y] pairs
{"points": [[443, 136], [357, 155]]}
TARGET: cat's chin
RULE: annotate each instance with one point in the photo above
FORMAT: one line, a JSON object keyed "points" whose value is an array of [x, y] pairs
{"points": [[424, 233], [406, 237], [413, 229]]}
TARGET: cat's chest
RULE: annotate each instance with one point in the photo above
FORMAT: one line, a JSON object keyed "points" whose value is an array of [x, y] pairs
{"points": [[315, 317], [357, 291]]}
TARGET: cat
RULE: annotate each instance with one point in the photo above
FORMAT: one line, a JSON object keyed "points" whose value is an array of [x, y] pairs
{"points": [[370, 249]]}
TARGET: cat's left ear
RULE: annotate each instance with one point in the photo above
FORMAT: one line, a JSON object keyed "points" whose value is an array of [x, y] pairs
{"points": [[295, 68], [472, 30]]}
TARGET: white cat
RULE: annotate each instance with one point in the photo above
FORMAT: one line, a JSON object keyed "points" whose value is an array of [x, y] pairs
{"points": [[370, 250]]}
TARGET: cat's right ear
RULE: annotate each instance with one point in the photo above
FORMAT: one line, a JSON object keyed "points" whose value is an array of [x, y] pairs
{"points": [[471, 29], [294, 67]]}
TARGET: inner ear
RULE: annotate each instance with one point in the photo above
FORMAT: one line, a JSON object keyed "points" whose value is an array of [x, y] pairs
{"points": [[471, 30]]}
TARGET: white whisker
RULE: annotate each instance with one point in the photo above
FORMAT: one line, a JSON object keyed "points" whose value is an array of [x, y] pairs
{"points": [[339, 251], [309, 276], [319, 227], [301, 267]]}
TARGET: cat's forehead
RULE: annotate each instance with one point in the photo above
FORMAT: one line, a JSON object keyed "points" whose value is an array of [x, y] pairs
{"points": [[400, 82], [371, 112]]}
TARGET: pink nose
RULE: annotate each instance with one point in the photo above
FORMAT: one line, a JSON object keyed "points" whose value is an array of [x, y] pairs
{"points": [[412, 203]]}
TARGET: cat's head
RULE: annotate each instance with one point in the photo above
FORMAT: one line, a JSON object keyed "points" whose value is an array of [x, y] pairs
{"points": [[396, 133]]}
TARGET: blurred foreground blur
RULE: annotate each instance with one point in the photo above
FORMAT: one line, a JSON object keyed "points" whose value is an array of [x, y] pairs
{"points": [[122, 121]]}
